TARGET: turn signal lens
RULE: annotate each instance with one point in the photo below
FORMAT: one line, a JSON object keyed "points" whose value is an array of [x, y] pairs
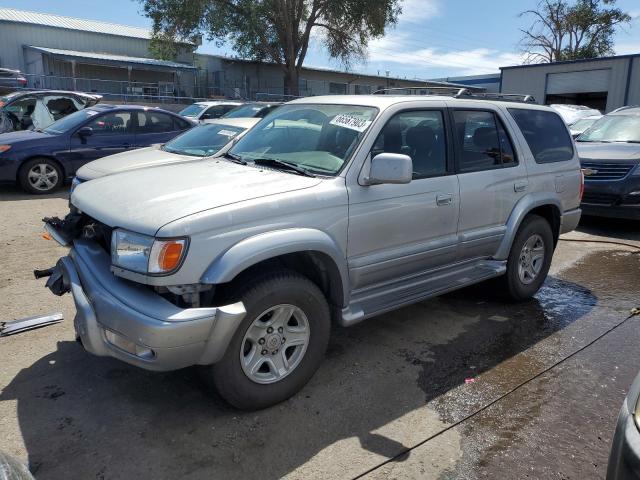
{"points": [[170, 256], [166, 255]]}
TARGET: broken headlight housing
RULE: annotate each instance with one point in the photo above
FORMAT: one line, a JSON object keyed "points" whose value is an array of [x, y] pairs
{"points": [[146, 254]]}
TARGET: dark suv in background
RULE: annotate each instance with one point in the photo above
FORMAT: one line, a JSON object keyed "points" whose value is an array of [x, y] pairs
{"points": [[11, 80], [610, 154]]}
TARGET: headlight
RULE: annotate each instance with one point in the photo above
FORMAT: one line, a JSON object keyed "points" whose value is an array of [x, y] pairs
{"points": [[636, 171], [74, 183], [145, 254], [4, 148]]}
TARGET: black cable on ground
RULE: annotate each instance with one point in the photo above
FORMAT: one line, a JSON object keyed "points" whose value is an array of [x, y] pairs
{"points": [[634, 312], [609, 242]]}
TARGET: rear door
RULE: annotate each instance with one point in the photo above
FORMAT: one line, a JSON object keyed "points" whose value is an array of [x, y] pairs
{"points": [[492, 178], [157, 127], [112, 133]]}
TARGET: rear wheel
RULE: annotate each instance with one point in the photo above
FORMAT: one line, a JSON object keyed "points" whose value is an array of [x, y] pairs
{"points": [[278, 346], [40, 176], [529, 259]]}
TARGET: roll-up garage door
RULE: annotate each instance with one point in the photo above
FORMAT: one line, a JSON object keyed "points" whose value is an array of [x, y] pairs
{"points": [[579, 82]]}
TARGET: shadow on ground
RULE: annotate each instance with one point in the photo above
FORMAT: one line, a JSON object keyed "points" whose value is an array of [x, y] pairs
{"points": [[610, 227], [88, 417], [13, 193]]}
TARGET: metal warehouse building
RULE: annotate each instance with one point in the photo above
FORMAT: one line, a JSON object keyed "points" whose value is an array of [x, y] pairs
{"points": [[602, 83], [77, 54]]}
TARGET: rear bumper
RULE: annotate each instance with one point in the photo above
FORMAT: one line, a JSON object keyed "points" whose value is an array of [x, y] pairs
{"points": [[167, 337], [570, 220]]}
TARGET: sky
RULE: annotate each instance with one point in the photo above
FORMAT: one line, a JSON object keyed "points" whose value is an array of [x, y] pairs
{"points": [[432, 39]]}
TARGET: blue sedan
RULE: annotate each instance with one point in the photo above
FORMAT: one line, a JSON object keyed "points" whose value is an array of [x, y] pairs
{"points": [[41, 160]]}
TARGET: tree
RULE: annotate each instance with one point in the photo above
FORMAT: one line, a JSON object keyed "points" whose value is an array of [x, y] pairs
{"points": [[561, 31], [277, 31]]}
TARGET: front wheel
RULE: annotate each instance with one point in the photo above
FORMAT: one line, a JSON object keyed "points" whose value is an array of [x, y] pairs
{"points": [[40, 176], [278, 346], [529, 259]]}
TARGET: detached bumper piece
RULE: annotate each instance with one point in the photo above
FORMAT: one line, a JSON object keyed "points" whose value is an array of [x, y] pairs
{"points": [[129, 321], [26, 324]]}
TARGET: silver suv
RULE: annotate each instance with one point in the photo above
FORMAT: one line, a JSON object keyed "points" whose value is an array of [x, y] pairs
{"points": [[331, 209]]}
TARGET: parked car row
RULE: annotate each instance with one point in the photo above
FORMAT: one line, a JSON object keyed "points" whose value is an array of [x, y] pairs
{"points": [[49, 135]]}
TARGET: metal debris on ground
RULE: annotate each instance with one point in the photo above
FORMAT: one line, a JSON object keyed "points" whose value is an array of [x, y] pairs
{"points": [[30, 323]]}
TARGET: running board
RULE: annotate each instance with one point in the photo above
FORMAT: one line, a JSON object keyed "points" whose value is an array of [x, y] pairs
{"points": [[379, 299]]}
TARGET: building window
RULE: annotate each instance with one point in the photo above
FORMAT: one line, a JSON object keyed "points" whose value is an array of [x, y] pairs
{"points": [[337, 88], [303, 85], [363, 89]]}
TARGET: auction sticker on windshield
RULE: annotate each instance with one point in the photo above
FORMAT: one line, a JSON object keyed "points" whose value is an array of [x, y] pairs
{"points": [[226, 133], [352, 121]]}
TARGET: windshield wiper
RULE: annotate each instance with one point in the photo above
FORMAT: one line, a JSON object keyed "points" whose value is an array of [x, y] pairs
{"points": [[274, 162], [234, 158]]}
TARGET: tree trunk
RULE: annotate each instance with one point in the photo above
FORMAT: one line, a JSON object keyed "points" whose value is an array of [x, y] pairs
{"points": [[291, 86]]}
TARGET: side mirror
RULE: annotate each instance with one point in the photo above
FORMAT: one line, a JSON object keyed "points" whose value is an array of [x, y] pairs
{"points": [[85, 132], [390, 168]]}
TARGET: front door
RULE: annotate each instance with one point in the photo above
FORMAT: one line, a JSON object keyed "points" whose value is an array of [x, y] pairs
{"points": [[492, 180], [399, 230], [110, 133]]}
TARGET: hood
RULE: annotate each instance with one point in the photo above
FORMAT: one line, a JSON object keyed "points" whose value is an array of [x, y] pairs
{"points": [[131, 160], [144, 200], [13, 138], [616, 152]]}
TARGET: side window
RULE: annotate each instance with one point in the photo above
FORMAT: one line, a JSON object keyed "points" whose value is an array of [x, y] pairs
{"points": [[419, 134], [545, 133], [154, 122], [482, 141], [506, 147], [214, 112], [111, 124], [180, 124]]}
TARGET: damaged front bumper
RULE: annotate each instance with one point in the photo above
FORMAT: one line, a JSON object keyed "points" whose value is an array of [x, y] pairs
{"points": [[125, 320]]}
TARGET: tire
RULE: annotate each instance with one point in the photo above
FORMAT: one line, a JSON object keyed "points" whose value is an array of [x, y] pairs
{"points": [[268, 300], [521, 283], [40, 176]]}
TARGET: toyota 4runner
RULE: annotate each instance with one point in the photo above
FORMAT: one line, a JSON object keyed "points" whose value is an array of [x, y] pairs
{"points": [[331, 209]]}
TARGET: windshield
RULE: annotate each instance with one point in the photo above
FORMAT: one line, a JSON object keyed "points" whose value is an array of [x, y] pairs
{"points": [[245, 111], [582, 125], [319, 138], [613, 128], [203, 140], [70, 121], [192, 110]]}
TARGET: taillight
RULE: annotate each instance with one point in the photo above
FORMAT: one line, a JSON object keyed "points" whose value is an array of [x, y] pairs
{"points": [[581, 185], [21, 80]]}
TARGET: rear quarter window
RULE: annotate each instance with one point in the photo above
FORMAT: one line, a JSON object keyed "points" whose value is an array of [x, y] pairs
{"points": [[545, 133]]}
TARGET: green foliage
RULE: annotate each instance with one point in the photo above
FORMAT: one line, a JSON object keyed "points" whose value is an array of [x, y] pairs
{"points": [[278, 31], [564, 31]]}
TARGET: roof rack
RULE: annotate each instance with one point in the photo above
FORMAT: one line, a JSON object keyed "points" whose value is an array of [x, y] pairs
{"points": [[448, 91], [506, 97], [457, 92]]}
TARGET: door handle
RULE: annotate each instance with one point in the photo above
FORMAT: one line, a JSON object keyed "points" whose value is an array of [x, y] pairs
{"points": [[520, 186], [126, 145], [445, 199]]}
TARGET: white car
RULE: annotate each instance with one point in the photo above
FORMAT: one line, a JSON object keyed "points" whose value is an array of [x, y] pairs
{"points": [[583, 124], [572, 113], [209, 110], [205, 140]]}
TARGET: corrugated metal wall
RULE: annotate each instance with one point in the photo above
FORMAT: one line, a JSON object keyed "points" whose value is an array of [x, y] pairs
{"points": [[14, 36], [533, 79]]}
